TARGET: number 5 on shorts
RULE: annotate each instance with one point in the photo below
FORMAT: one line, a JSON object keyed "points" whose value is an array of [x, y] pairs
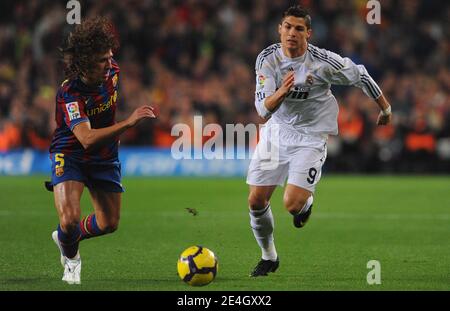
{"points": [[59, 164]]}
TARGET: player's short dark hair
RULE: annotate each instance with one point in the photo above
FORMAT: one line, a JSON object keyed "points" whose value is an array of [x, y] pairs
{"points": [[85, 42], [298, 11]]}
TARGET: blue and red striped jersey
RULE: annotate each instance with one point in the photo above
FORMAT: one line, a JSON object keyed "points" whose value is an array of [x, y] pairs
{"points": [[75, 103]]}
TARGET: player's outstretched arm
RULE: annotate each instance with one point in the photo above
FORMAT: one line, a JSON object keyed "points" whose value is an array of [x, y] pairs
{"points": [[274, 101], [385, 116], [345, 72], [89, 137]]}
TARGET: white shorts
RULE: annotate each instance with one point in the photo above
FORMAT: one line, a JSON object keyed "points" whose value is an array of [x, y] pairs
{"points": [[300, 163]]}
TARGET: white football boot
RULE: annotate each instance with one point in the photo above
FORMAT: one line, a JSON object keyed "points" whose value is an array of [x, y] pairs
{"points": [[72, 270], [72, 267]]}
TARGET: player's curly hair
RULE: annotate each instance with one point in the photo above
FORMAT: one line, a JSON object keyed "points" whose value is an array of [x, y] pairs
{"points": [[298, 11], [85, 42]]}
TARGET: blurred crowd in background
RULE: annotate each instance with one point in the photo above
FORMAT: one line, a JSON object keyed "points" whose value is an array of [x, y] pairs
{"points": [[193, 57]]}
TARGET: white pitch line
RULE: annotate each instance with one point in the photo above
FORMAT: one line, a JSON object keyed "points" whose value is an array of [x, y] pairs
{"points": [[383, 216], [234, 214]]}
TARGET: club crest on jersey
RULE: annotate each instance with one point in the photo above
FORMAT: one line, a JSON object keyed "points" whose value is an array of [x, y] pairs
{"points": [[309, 80], [114, 80], [73, 110]]}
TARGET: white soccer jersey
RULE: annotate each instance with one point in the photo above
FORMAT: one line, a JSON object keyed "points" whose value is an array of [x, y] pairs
{"points": [[309, 108]]}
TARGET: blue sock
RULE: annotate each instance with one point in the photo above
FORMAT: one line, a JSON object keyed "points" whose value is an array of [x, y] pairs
{"points": [[69, 241]]}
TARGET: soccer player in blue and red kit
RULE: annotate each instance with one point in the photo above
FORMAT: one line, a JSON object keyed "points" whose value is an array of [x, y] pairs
{"points": [[84, 150]]}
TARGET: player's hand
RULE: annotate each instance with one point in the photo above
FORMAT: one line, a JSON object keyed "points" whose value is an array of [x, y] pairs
{"points": [[140, 113], [288, 82], [385, 115], [384, 119]]}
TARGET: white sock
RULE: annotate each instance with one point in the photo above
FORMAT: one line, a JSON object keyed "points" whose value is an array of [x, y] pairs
{"points": [[262, 225], [307, 205]]}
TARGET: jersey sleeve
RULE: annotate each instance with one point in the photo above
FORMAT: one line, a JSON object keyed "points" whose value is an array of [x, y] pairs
{"points": [[265, 84], [72, 108], [343, 71]]}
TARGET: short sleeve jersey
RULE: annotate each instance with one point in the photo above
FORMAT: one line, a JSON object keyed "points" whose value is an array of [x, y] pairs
{"points": [[76, 103]]}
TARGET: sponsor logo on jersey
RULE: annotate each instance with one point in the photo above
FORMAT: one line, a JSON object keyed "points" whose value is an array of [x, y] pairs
{"points": [[261, 81], [73, 110], [299, 92], [103, 106]]}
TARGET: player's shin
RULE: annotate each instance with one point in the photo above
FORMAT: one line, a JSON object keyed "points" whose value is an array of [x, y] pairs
{"points": [[262, 224], [69, 241]]}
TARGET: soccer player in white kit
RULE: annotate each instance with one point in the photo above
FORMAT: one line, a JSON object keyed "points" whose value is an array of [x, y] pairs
{"points": [[293, 80]]}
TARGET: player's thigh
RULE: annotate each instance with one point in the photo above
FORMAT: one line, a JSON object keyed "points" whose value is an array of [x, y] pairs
{"points": [[262, 183], [68, 184], [67, 195], [267, 171], [107, 207], [259, 196]]}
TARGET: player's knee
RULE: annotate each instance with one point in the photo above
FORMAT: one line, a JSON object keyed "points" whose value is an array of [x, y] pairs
{"points": [[69, 223], [294, 204], [111, 226], [256, 202], [69, 216]]}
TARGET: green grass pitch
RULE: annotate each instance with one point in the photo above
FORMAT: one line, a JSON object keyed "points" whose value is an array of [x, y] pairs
{"points": [[403, 222]]}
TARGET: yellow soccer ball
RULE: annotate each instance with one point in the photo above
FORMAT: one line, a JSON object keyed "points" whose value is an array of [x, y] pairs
{"points": [[197, 266]]}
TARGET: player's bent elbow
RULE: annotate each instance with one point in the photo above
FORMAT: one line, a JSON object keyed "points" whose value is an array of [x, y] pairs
{"points": [[264, 114], [84, 141], [86, 146], [262, 110], [87, 142]]}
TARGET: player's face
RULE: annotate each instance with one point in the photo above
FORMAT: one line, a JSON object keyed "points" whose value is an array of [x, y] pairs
{"points": [[294, 33], [101, 68]]}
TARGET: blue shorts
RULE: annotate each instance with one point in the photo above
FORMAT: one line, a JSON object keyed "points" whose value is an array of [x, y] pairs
{"points": [[105, 177]]}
